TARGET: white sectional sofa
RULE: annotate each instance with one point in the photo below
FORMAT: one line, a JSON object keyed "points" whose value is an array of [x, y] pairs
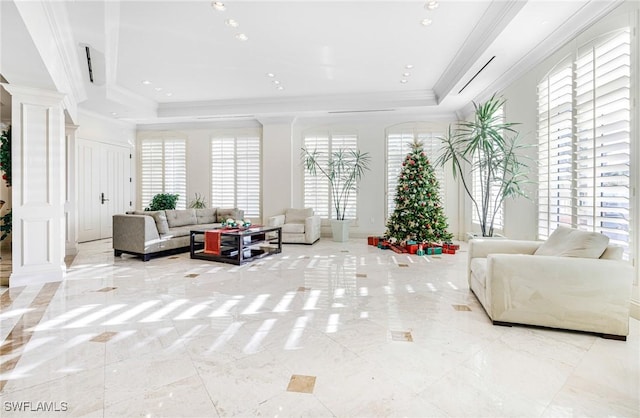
{"points": [[149, 233]]}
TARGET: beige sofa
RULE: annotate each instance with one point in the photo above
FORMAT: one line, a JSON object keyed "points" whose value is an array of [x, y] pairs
{"points": [[518, 282], [299, 226], [149, 233]]}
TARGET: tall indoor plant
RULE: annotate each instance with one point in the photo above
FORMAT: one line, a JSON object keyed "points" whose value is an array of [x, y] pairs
{"points": [[5, 166], [343, 169], [487, 151]]}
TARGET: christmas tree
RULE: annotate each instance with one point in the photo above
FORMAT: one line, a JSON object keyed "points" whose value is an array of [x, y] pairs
{"points": [[418, 214]]}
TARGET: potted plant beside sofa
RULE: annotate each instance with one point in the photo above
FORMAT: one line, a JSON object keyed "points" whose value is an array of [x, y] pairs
{"points": [[163, 201], [343, 170]]}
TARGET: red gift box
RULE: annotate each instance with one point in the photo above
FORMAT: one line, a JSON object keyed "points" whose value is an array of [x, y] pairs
{"points": [[413, 248], [372, 240]]}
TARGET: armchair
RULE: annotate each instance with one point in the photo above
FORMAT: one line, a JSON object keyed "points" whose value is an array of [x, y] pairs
{"points": [[299, 226], [515, 284]]}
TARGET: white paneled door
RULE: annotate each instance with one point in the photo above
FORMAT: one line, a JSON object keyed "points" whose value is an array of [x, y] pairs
{"points": [[104, 187]]}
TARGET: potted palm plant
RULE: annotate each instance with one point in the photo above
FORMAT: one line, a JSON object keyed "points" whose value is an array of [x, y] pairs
{"points": [[487, 151], [343, 169]]}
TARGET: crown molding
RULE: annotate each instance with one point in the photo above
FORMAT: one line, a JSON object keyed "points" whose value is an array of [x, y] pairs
{"points": [[362, 102], [493, 21]]}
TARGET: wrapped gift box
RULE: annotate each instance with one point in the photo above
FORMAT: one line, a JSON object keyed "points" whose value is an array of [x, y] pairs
{"points": [[412, 248], [434, 250]]}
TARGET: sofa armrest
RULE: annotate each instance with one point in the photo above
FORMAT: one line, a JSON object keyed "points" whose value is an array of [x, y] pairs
{"points": [[312, 228], [277, 220], [134, 233], [481, 248], [563, 292]]}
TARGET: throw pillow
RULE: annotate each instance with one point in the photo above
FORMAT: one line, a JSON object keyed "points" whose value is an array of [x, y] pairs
{"points": [[297, 216], [568, 242], [181, 217], [161, 221]]}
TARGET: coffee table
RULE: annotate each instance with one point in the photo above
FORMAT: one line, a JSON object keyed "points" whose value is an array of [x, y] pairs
{"points": [[238, 246]]}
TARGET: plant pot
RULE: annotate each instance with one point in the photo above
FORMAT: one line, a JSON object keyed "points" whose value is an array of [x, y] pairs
{"points": [[340, 230], [471, 235]]}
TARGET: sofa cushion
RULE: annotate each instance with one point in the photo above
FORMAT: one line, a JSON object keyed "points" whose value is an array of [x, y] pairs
{"points": [[569, 242], [159, 216], [293, 228], [226, 213], [161, 221], [297, 215], [181, 217], [206, 216]]}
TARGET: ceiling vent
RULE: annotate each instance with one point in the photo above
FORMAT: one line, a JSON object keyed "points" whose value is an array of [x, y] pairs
{"points": [[95, 64], [476, 74]]}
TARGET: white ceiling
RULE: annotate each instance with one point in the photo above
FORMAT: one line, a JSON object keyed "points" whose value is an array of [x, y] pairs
{"points": [[330, 56]]}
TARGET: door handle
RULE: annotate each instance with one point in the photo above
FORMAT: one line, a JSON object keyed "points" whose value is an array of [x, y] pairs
{"points": [[102, 199]]}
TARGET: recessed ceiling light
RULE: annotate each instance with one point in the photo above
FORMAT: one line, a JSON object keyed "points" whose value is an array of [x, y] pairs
{"points": [[168, 94], [146, 82], [431, 5], [406, 74], [403, 81], [280, 88], [231, 22], [241, 37], [276, 82], [271, 75], [218, 5], [158, 88], [114, 114], [408, 66], [426, 22]]}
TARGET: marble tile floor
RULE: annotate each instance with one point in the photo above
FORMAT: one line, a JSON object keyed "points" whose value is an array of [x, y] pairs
{"points": [[333, 329]]}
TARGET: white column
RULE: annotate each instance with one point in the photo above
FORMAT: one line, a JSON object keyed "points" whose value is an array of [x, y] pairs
{"points": [[38, 166], [277, 163], [71, 192]]}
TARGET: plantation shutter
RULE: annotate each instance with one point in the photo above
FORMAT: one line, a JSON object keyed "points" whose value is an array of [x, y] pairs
{"points": [[603, 132], [163, 169], [175, 170], [248, 176], [555, 179], [223, 167], [584, 137], [235, 174], [316, 188]]}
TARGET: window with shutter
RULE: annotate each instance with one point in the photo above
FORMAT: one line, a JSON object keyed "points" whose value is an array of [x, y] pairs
{"points": [[163, 169], [584, 131], [398, 146], [235, 174], [317, 194]]}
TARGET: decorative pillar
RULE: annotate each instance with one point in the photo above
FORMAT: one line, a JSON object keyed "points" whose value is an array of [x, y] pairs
{"points": [[38, 167], [71, 192], [277, 165]]}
